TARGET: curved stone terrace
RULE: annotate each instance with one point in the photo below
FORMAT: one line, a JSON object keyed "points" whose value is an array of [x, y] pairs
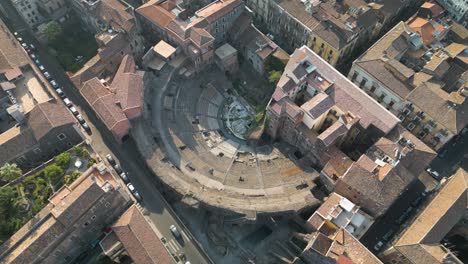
{"points": [[201, 128]]}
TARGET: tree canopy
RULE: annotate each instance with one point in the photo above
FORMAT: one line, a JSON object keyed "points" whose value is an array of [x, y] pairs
{"points": [[10, 172], [52, 30]]}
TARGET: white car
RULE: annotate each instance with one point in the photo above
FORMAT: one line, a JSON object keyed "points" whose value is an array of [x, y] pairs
{"points": [[433, 173], [47, 75], [175, 231], [24, 45], [131, 187], [74, 111], [33, 56], [60, 92], [41, 68], [67, 102], [54, 83]]}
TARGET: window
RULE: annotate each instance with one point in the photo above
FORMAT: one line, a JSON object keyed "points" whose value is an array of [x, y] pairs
{"points": [[363, 82], [373, 88], [37, 151], [21, 159], [391, 103], [355, 74], [61, 136], [86, 223], [93, 217]]}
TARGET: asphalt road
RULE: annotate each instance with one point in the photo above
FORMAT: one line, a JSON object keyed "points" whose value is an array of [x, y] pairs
{"points": [[446, 165], [126, 154]]}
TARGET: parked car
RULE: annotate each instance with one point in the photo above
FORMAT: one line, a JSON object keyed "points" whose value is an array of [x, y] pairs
{"points": [[60, 93], [67, 102], [124, 177], [32, 47], [110, 159], [433, 173], [175, 231], [118, 169], [20, 39], [137, 196], [74, 111], [37, 62], [24, 45], [80, 119], [54, 84], [41, 68], [33, 56], [388, 235], [47, 75], [86, 128], [131, 187], [378, 246], [417, 201]]}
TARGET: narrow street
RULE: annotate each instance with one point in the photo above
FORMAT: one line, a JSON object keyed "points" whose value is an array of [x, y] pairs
{"points": [[103, 143]]}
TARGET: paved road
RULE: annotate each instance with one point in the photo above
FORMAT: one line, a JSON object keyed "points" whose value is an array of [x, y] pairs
{"points": [[387, 223], [127, 154], [445, 165]]}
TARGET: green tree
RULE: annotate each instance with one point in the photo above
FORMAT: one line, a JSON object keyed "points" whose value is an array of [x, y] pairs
{"points": [[274, 76], [10, 172], [272, 63], [52, 30], [63, 160], [7, 197], [53, 173]]}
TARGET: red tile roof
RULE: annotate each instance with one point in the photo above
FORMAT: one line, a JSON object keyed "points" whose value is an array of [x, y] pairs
{"points": [[128, 84], [139, 239]]}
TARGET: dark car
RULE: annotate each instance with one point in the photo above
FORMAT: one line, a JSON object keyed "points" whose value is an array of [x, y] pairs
{"points": [[110, 159], [118, 169], [86, 128]]}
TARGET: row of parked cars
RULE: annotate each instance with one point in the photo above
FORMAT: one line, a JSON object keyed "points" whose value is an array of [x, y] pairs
{"points": [[30, 49], [400, 221], [124, 176]]}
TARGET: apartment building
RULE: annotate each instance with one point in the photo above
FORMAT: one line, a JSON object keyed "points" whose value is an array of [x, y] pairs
{"points": [[332, 29], [196, 34], [109, 18], [117, 98], [315, 107], [333, 233], [456, 9], [420, 242], [34, 127], [29, 10], [76, 216], [419, 74], [134, 237], [53, 9], [385, 171]]}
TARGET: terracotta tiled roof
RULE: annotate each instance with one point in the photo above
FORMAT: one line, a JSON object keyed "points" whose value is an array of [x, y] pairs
{"points": [[436, 103], [46, 116], [115, 13], [424, 28], [14, 142], [200, 36], [318, 105], [376, 68], [104, 103], [139, 239], [218, 9], [420, 241], [11, 52], [128, 84], [155, 13], [116, 45]]}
